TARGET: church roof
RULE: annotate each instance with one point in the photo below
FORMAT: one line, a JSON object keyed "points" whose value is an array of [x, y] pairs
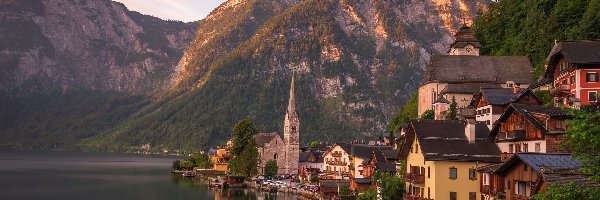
{"points": [[465, 36], [291, 110], [263, 138], [478, 69]]}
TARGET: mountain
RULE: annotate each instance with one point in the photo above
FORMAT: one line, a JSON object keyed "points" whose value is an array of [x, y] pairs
{"points": [[355, 63], [72, 69]]}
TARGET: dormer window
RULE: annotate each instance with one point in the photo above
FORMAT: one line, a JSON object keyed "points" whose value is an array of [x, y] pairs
{"points": [[564, 66]]}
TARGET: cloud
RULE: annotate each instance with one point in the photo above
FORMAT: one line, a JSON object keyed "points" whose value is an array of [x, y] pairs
{"points": [[183, 10]]}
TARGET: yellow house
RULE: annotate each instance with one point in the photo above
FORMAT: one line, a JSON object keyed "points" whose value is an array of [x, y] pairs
{"points": [[442, 157], [220, 158]]}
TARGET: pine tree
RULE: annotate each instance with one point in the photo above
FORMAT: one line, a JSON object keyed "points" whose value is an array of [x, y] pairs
{"points": [[453, 112]]}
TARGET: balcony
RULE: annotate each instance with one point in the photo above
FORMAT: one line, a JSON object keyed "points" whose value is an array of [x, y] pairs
{"points": [[415, 178], [560, 90], [411, 197], [514, 134], [336, 154], [337, 162]]}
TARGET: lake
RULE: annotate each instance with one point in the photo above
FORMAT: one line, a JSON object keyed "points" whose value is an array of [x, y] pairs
{"points": [[91, 176]]}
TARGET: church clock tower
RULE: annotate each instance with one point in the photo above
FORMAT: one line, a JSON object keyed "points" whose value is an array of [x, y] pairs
{"points": [[465, 43], [291, 129]]}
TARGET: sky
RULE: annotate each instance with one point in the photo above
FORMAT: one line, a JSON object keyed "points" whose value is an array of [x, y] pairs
{"points": [[182, 10]]}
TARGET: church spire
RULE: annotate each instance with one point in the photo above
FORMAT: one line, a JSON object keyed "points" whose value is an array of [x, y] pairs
{"points": [[291, 111]]}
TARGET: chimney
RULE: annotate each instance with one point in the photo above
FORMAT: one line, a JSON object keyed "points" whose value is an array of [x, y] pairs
{"points": [[470, 130], [517, 88]]}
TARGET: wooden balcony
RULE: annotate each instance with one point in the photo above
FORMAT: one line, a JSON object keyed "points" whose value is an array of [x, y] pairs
{"points": [[336, 154], [415, 178], [513, 134], [560, 90], [337, 162]]}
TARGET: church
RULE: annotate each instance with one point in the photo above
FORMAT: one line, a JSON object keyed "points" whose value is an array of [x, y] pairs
{"points": [[285, 151]]}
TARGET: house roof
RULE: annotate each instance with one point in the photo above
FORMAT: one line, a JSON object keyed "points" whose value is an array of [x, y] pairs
{"points": [[565, 176], [489, 168], [364, 151], [527, 112], [390, 154], [263, 138], [577, 52], [467, 88], [465, 36], [501, 96], [478, 69], [537, 161], [303, 157], [446, 140], [334, 182], [362, 180]]}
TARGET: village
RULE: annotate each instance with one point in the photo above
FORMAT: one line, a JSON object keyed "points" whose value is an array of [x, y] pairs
{"points": [[483, 133]]}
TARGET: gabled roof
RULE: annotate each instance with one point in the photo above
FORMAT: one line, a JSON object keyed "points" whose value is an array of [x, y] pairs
{"points": [[446, 140], [467, 88], [537, 161], [501, 96], [303, 157], [478, 69], [576, 52], [465, 36], [390, 154], [364, 151], [263, 138], [565, 176], [527, 112]]}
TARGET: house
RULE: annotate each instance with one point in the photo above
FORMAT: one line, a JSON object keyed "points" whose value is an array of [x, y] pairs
{"points": [[490, 103], [530, 128], [526, 174], [378, 162], [461, 74], [329, 188], [491, 185], [443, 154], [337, 162], [574, 68], [311, 163], [361, 155], [219, 157]]}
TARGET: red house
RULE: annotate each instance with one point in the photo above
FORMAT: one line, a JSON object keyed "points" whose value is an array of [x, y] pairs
{"points": [[574, 67]]}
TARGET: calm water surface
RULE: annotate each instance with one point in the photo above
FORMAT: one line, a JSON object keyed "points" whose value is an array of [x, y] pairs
{"points": [[91, 176]]}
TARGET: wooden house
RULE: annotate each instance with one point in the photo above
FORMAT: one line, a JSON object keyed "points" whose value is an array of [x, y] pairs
{"points": [[490, 103]]}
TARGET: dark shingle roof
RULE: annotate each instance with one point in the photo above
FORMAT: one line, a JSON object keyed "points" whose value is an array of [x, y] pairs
{"points": [[467, 88], [364, 151], [501, 96], [565, 176], [489, 168], [334, 182], [362, 180], [577, 52], [446, 140], [537, 161], [527, 112], [303, 156], [263, 138], [390, 154], [478, 69]]}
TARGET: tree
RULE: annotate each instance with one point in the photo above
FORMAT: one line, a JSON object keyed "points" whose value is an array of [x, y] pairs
{"points": [[176, 165], [344, 191], [246, 163], [567, 191], [186, 165], [370, 194], [200, 161], [314, 144], [453, 112], [428, 114], [408, 112], [242, 135], [392, 187], [583, 141], [271, 168]]}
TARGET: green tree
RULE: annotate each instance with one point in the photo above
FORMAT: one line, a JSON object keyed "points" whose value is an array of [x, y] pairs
{"points": [[392, 187], [271, 168], [453, 112], [243, 134], [545, 97], [200, 161], [246, 163], [370, 194], [428, 114], [406, 113], [584, 140], [344, 191], [176, 165], [186, 165], [314, 144], [567, 191]]}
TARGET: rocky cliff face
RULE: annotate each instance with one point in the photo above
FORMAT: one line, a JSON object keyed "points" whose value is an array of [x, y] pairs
{"points": [[98, 45], [355, 63]]}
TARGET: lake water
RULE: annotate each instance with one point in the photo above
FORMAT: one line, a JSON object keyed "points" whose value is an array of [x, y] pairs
{"points": [[91, 176]]}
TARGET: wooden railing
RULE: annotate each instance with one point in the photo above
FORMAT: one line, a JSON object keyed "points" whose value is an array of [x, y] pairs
{"points": [[336, 154], [415, 178], [337, 162]]}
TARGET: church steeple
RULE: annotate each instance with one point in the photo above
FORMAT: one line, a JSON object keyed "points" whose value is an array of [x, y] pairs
{"points": [[465, 42], [291, 133]]}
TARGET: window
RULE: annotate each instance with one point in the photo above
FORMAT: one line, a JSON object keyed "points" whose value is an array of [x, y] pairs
{"points": [[472, 195], [428, 172], [525, 147], [453, 173], [521, 188], [564, 82], [563, 66], [525, 168], [417, 148], [452, 195], [275, 157], [510, 148], [472, 174], [517, 148], [591, 77], [428, 193], [572, 80], [486, 179], [538, 147], [593, 96]]}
